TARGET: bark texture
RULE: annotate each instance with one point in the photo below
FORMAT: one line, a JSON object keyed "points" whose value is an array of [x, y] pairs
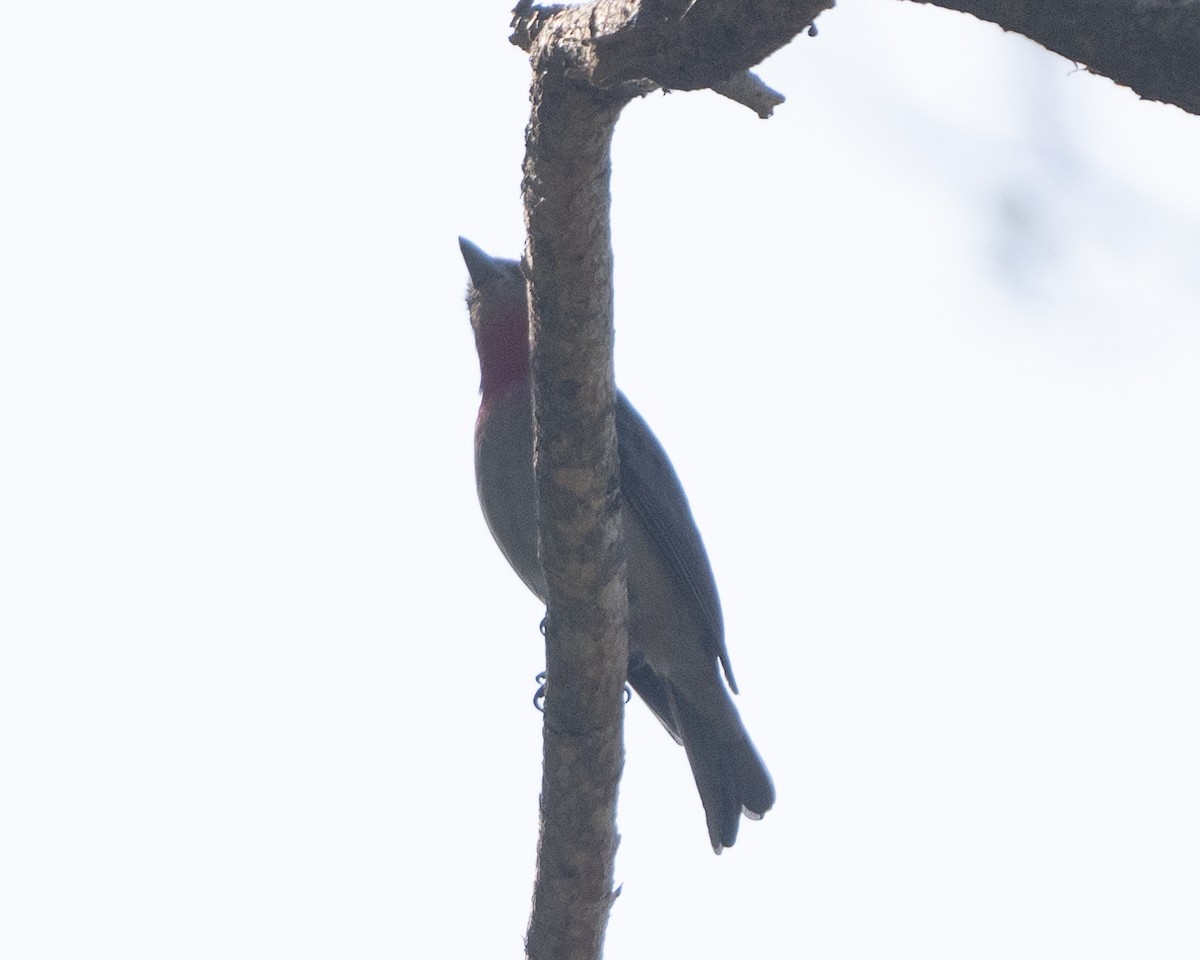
{"points": [[569, 263], [588, 61]]}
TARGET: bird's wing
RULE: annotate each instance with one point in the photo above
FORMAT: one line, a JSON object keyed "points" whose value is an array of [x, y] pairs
{"points": [[654, 496]]}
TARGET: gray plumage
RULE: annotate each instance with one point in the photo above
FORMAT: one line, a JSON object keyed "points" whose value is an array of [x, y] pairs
{"points": [[676, 631]]}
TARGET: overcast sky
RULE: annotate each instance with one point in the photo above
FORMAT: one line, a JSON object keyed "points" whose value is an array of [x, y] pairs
{"points": [[925, 350]]}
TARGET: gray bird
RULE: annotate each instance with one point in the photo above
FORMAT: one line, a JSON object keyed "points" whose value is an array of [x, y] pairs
{"points": [[676, 633]]}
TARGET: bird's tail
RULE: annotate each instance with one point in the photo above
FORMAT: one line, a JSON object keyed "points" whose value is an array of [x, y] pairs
{"points": [[730, 775]]}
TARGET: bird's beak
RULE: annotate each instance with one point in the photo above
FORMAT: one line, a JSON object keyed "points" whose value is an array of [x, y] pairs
{"points": [[480, 266]]}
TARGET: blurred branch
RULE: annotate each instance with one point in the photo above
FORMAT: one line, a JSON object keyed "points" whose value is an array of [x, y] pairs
{"points": [[1151, 47]]}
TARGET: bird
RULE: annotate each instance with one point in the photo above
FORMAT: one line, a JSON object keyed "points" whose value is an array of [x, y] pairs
{"points": [[678, 662]]}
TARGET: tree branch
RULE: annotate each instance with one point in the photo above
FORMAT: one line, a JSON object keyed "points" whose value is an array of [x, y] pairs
{"points": [[588, 62], [630, 47], [569, 264], [748, 90], [1150, 46]]}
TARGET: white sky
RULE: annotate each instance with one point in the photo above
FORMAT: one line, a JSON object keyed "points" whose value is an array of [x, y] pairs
{"points": [[925, 349]]}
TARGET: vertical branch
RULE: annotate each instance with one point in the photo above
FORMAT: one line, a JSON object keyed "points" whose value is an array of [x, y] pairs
{"points": [[569, 263], [588, 61]]}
